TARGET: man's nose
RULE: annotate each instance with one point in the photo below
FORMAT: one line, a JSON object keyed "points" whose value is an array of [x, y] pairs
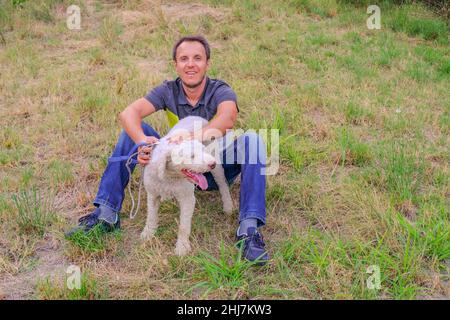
{"points": [[190, 63]]}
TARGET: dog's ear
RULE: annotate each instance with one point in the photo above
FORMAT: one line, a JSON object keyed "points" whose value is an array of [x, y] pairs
{"points": [[161, 164]]}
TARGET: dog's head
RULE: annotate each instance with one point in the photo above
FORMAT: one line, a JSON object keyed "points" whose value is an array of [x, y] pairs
{"points": [[188, 159]]}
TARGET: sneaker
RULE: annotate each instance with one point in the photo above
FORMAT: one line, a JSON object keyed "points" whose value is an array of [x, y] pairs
{"points": [[87, 222], [253, 244]]}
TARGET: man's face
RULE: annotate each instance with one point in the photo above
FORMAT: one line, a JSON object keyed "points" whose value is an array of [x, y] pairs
{"points": [[191, 63]]}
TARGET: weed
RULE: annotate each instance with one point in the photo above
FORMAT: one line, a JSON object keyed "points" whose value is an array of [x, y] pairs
{"points": [[226, 271], [34, 211], [48, 289], [95, 240]]}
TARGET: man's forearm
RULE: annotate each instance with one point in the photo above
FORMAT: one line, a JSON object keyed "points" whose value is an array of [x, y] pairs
{"points": [[131, 122], [217, 127]]}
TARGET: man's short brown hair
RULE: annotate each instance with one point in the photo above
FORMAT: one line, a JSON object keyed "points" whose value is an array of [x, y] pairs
{"points": [[200, 39]]}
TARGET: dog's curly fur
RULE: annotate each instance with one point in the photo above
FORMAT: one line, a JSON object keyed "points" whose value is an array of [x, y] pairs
{"points": [[163, 179]]}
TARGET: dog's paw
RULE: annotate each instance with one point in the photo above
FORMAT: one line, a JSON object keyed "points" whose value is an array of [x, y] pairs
{"points": [[147, 234], [228, 207], [182, 248]]}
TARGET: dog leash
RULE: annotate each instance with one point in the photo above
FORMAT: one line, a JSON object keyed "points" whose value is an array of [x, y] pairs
{"points": [[129, 160]]}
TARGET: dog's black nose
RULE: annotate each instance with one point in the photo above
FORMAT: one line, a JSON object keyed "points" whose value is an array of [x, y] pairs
{"points": [[212, 165]]}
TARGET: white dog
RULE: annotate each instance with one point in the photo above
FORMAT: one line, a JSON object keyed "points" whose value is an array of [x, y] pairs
{"points": [[173, 172]]}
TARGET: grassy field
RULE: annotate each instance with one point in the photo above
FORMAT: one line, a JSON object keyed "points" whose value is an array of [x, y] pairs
{"points": [[364, 121]]}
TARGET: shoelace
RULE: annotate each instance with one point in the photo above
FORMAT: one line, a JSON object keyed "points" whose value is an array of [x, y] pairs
{"points": [[86, 218], [257, 238]]}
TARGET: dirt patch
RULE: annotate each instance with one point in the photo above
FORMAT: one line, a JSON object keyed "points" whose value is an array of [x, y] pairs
{"points": [[408, 209], [170, 12], [153, 15], [174, 12], [80, 45], [321, 122], [151, 66], [128, 17], [50, 262], [137, 23], [438, 283], [71, 46]]}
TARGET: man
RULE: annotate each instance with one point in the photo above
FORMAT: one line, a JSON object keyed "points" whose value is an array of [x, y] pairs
{"points": [[192, 93]]}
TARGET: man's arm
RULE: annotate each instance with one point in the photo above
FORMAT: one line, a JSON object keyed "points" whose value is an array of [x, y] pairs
{"points": [[132, 116], [225, 119]]}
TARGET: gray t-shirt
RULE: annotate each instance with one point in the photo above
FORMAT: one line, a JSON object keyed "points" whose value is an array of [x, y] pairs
{"points": [[169, 96]]}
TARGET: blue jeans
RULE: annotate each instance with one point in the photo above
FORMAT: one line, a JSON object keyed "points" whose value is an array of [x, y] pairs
{"points": [[237, 159]]}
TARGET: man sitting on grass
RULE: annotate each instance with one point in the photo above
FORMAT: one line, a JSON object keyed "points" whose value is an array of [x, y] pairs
{"points": [[191, 94]]}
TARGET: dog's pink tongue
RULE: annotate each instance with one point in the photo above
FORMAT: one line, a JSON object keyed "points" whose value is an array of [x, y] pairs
{"points": [[201, 180]]}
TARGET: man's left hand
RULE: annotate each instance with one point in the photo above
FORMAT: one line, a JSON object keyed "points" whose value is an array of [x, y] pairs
{"points": [[179, 137]]}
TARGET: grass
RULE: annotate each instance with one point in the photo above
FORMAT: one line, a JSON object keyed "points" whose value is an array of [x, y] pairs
{"points": [[17, 254], [363, 119], [48, 289], [110, 31], [34, 211], [93, 242], [416, 23], [26, 217], [227, 271], [352, 151], [357, 115], [403, 172], [327, 8]]}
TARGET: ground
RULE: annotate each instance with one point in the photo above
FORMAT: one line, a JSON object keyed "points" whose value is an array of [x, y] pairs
{"points": [[363, 117]]}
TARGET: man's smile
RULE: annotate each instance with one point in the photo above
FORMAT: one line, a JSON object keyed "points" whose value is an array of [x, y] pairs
{"points": [[191, 74]]}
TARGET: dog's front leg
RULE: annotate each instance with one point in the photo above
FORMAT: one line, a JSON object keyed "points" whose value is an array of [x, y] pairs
{"points": [[224, 190], [152, 217], [187, 206]]}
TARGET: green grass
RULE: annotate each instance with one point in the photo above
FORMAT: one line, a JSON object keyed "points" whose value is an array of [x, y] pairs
{"points": [[352, 151], [326, 261], [355, 114], [95, 241], [48, 289], [403, 172], [436, 58], [110, 31], [61, 172], [326, 8], [389, 50], [363, 120], [428, 28], [431, 233], [35, 211], [227, 271]]}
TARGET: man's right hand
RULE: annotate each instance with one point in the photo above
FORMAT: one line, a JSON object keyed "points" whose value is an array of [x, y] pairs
{"points": [[144, 156]]}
